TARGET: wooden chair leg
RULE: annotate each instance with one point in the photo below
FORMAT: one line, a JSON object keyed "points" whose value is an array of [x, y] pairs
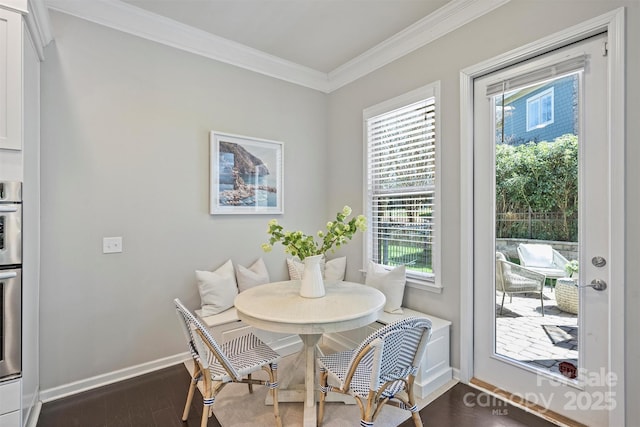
{"points": [[250, 385], [323, 393], [273, 375], [187, 406], [209, 393], [206, 410], [415, 415]]}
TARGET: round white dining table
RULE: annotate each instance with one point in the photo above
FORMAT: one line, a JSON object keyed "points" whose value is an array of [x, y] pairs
{"points": [[278, 307]]}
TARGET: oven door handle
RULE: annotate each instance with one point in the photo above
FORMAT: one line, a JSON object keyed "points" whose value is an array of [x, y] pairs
{"points": [[8, 208], [8, 275]]}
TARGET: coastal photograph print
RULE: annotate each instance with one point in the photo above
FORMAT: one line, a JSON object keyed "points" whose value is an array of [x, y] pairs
{"points": [[246, 175]]}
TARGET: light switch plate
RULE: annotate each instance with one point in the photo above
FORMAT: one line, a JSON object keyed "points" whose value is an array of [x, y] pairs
{"points": [[111, 245]]}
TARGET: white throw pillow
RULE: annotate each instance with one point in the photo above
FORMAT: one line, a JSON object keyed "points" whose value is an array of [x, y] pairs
{"points": [[296, 267], [255, 275], [390, 283], [217, 289], [334, 269]]}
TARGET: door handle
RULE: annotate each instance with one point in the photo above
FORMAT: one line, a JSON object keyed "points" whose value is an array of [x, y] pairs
{"points": [[597, 284], [9, 275]]}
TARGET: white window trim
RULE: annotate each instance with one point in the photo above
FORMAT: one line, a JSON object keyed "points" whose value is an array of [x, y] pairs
{"points": [[433, 283], [538, 98]]}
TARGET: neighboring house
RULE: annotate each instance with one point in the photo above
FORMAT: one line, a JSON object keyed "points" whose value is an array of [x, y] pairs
{"points": [[540, 113]]}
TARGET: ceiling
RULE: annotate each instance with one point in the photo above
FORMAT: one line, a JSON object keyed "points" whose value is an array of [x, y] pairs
{"points": [[319, 34], [322, 44]]}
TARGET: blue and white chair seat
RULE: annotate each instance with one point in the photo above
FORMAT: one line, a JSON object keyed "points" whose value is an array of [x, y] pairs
{"points": [[244, 353]]}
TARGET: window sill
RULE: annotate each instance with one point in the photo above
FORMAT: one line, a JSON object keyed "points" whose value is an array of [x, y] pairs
{"points": [[425, 285]]}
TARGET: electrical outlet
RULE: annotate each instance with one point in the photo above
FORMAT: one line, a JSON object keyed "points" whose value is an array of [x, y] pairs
{"points": [[111, 245]]}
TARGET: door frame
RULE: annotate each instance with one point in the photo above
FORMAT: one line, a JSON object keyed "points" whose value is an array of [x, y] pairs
{"points": [[614, 24]]}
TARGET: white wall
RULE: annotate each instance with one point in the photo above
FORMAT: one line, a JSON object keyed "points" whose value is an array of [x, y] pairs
{"points": [[517, 23], [125, 152]]}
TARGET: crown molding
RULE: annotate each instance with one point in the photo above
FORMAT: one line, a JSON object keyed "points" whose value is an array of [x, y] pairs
{"points": [[39, 26], [449, 17], [130, 19], [15, 5]]}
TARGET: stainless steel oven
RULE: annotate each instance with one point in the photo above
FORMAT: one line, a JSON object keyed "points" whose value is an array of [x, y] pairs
{"points": [[10, 280]]}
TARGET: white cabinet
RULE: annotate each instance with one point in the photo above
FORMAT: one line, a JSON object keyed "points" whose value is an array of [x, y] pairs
{"points": [[24, 31], [10, 404], [11, 419], [10, 80]]}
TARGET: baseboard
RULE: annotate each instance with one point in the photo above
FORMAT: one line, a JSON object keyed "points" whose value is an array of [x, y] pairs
{"points": [[456, 374], [110, 377], [34, 414]]}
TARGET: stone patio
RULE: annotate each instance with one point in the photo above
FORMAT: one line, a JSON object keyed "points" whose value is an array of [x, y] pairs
{"points": [[520, 334]]}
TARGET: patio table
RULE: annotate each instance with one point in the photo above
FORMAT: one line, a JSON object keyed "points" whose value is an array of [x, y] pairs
{"points": [[567, 295]]}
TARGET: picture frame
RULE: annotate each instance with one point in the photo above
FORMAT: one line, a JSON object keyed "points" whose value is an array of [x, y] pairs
{"points": [[246, 175]]}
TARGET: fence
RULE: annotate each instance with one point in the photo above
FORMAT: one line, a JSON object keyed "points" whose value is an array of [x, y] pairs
{"points": [[537, 225], [405, 244]]}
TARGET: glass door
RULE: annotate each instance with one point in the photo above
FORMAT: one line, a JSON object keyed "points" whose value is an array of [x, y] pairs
{"points": [[541, 162]]}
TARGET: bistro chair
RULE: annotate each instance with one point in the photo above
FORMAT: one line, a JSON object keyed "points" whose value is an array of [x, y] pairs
{"points": [[512, 279], [381, 370], [543, 259], [218, 365]]}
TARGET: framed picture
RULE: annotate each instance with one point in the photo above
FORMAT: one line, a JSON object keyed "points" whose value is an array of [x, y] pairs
{"points": [[246, 175]]}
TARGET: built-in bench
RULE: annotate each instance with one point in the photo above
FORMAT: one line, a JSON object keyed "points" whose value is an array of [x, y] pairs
{"points": [[435, 371]]}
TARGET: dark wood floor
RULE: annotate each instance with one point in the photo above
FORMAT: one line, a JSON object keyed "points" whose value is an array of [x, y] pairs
{"points": [[157, 400]]}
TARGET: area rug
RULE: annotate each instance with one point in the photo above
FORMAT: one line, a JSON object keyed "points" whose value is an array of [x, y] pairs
{"points": [[562, 335], [235, 407]]}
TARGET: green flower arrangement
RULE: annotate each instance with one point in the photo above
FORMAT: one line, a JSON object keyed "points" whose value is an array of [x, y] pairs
{"points": [[302, 245], [571, 267]]}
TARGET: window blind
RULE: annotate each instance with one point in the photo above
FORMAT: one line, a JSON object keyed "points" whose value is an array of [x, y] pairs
{"points": [[401, 185], [559, 69]]}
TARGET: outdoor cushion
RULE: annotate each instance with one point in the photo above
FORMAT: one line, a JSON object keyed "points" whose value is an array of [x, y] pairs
{"points": [[537, 255]]}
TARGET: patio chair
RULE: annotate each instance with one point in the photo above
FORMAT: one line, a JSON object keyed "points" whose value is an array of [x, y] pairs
{"points": [[381, 370], [218, 365], [512, 279], [543, 259]]}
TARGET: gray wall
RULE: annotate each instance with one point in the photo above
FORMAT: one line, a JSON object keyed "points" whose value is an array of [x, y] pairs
{"points": [[513, 25], [125, 152]]}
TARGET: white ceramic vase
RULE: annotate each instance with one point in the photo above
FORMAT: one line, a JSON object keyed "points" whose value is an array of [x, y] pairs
{"points": [[312, 285]]}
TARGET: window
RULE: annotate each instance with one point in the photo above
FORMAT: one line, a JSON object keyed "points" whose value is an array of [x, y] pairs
{"points": [[402, 200], [540, 110]]}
